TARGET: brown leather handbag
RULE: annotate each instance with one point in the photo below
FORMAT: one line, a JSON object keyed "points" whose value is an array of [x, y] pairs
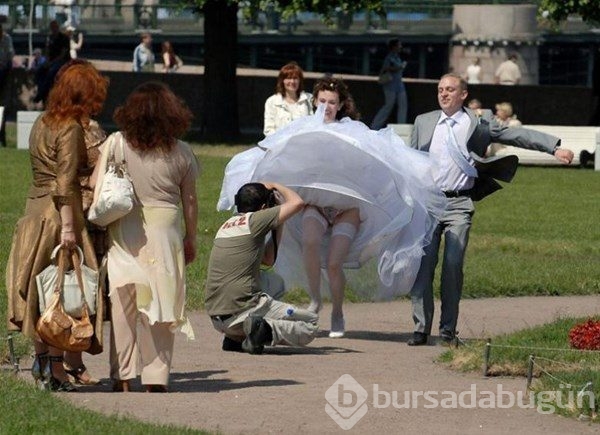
{"points": [[57, 328]]}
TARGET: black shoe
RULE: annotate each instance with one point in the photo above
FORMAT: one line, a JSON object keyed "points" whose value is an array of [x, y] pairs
{"points": [[448, 337], [230, 345], [258, 334], [418, 339]]}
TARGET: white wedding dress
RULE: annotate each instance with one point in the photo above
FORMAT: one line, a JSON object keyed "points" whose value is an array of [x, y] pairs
{"points": [[344, 165]]}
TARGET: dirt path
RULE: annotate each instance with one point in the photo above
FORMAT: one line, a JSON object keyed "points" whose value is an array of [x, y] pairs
{"points": [[283, 390]]}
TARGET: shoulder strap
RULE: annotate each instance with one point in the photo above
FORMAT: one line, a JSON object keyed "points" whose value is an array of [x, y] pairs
{"points": [[118, 152]]}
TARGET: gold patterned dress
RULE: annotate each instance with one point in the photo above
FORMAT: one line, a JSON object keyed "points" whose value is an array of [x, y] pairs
{"points": [[58, 160]]}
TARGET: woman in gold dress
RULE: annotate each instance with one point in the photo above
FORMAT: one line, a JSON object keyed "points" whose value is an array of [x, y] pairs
{"points": [[53, 211]]}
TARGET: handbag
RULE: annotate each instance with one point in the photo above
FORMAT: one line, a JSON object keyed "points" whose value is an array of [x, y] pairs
{"points": [[72, 298], [57, 328], [384, 78], [114, 196]]}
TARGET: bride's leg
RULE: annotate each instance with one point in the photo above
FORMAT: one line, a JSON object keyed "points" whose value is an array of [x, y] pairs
{"points": [[312, 235], [343, 233]]}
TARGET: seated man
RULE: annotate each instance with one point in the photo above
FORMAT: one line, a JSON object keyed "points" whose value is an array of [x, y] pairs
{"points": [[236, 304]]}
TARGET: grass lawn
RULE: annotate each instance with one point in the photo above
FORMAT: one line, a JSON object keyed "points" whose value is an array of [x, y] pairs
{"points": [[26, 410], [556, 367]]}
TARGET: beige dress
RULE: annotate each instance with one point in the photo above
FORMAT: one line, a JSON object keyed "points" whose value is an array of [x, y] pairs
{"points": [[146, 246], [58, 159]]}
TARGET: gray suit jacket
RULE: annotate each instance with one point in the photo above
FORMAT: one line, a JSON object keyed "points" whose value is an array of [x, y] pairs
{"points": [[483, 131]]}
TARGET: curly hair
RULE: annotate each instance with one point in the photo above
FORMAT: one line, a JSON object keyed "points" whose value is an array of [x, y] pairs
{"points": [[78, 93], [287, 71], [153, 117], [338, 86]]}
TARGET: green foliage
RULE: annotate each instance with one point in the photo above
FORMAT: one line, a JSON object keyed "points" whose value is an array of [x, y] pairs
{"points": [[558, 10], [327, 8], [27, 410]]}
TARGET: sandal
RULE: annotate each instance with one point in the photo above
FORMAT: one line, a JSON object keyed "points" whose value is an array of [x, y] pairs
{"points": [[53, 384], [77, 373]]}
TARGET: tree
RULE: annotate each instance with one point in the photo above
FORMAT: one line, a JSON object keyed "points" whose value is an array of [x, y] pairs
{"points": [[558, 10], [220, 121]]}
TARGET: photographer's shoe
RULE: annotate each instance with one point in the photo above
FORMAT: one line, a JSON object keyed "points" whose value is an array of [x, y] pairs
{"points": [[258, 333], [230, 345]]}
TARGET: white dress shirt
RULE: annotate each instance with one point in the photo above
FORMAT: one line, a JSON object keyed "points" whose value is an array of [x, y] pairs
{"points": [[447, 173]]}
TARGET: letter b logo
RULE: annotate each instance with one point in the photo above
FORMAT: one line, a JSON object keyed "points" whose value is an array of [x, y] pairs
{"points": [[346, 401]]}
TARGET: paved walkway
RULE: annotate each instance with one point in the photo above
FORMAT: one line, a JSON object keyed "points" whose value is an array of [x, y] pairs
{"points": [[283, 390]]}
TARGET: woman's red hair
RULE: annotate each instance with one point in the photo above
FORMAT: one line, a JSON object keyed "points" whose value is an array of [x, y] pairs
{"points": [[153, 117], [78, 93], [289, 70]]}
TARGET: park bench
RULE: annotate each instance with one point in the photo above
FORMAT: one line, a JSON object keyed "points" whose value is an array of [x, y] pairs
{"points": [[582, 140]]}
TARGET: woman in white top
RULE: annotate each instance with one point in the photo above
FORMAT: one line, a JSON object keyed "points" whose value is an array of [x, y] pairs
{"points": [[289, 102]]}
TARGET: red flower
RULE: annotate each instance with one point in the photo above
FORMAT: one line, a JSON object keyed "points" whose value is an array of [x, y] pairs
{"points": [[586, 335]]}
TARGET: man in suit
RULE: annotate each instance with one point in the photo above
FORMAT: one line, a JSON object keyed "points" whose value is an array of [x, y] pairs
{"points": [[456, 138]]}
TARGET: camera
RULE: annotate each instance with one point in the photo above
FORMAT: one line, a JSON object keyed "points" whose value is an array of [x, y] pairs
{"points": [[271, 198]]}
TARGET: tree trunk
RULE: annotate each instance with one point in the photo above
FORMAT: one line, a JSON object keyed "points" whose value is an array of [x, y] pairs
{"points": [[220, 118]]}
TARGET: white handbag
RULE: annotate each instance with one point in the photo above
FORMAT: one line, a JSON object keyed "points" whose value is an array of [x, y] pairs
{"points": [[71, 297], [114, 197]]}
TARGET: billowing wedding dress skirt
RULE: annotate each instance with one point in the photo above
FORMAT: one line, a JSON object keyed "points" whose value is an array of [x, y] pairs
{"points": [[344, 165]]}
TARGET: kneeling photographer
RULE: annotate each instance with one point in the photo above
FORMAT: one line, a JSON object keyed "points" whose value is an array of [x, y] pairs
{"points": [[237, 306]]}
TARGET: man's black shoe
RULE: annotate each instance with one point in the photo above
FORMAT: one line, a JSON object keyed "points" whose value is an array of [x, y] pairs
{"points": [[448, 337], [258, 333], [230, 345], [418, 339]]}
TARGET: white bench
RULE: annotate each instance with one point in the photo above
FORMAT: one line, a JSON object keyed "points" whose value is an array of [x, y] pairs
{"points": [[25, 120], [403, 130], [575, 138]]}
